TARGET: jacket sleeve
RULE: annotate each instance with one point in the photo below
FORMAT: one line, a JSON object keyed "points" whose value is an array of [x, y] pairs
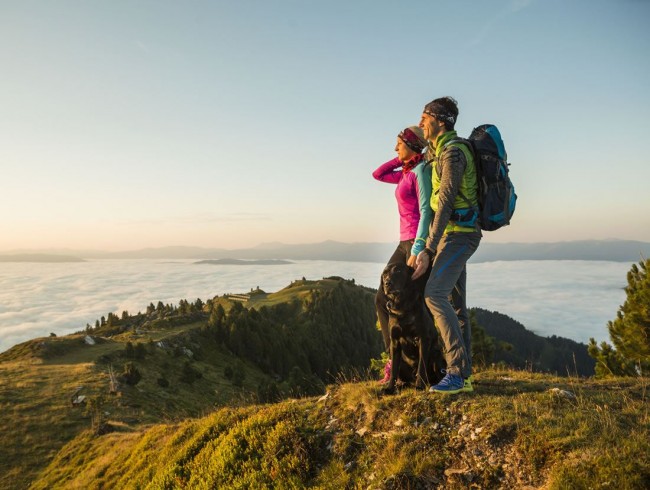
{"points": [[388, 172], [423, 189], [452, 167]]}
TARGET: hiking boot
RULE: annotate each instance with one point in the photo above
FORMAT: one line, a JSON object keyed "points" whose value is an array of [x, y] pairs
{"points": [[386, 373], [451, 383], [467, 387]]}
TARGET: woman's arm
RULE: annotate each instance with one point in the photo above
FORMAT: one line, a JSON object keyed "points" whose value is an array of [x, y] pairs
{"points": [[388, 172], [423, 189]]}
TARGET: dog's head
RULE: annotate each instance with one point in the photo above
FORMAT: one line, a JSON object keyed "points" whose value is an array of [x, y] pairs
{"points": [[396, 281]]}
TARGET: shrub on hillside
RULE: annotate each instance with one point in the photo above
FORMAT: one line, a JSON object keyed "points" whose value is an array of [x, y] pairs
{"points": [[268, 392], [139, 351], [131, 376], [238, 374], [189, 373], [129, 350]]}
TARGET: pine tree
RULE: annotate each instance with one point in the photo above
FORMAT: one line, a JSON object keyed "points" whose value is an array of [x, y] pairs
{"points": [[483, 346], [129, 350], [629, 332]]}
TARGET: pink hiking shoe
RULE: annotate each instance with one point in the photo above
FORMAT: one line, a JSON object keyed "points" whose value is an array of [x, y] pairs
{"points": [[386, 373]]}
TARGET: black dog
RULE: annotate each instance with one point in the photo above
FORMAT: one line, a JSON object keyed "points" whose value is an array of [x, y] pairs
{"points": [[414, 351]]}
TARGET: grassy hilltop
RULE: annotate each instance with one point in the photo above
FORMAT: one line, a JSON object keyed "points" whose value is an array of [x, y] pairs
{"points": [[519, 430], [243, 392], [173, 363]]}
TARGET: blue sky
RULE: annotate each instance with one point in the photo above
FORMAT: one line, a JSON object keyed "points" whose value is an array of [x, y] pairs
{"points": [[129, 124]]}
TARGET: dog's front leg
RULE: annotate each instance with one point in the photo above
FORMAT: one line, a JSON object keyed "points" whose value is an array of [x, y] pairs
{"points": [[425, 345], [395, 358], [429, 367]]}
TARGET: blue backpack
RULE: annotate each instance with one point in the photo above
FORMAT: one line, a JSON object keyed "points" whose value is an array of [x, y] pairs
{"points": [[496, 193]]}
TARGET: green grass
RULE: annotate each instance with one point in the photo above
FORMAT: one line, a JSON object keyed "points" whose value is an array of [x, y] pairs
{"points": [[37, 419], [38, 378], [297, 290], [515, 430]]}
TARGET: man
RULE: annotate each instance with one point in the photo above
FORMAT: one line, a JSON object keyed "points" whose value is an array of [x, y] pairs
{"points": [[454, 235]]}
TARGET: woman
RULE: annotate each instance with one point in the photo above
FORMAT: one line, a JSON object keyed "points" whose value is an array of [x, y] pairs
{"points": [[413, 194]]}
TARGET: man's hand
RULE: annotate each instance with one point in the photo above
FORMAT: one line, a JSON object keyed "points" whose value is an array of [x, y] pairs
{"points": [[421, 264]]}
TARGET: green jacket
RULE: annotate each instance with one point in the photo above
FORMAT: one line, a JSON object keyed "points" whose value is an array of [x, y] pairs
{"points": [[460, 200]]}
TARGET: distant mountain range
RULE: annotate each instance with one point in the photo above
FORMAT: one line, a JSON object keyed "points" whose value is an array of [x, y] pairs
{"points": [[243, 262], [39, 257], [610, 250]]}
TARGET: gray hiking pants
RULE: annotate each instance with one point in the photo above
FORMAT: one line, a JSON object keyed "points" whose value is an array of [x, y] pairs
{"points": [[458, 298], [447, 284]]}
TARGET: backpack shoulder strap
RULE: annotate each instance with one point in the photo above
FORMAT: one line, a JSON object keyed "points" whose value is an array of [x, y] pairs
{"points": [[463, 141], [470, 149], [449, 144]]}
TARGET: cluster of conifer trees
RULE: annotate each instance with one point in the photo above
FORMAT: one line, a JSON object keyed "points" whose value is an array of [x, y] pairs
{"points": [[328, 332]]}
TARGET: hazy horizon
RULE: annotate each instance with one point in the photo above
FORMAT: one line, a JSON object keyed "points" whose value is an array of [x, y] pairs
{"points": [[129, 125], [264, 244], [572, 299]]}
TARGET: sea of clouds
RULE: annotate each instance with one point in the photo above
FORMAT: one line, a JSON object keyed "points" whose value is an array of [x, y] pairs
{"points": [[572, 299]]}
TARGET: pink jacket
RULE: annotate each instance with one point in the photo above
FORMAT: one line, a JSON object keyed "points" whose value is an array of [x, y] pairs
{"points": [[412, 196]]}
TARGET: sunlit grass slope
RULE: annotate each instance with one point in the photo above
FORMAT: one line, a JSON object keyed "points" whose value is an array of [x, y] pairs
{"points": [[516, 430], [184, 373], [38, 417]]}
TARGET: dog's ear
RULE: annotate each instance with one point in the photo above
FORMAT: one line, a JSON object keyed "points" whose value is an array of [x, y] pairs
{"points": [[386, 274], [387, 270], [391, 267]]}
